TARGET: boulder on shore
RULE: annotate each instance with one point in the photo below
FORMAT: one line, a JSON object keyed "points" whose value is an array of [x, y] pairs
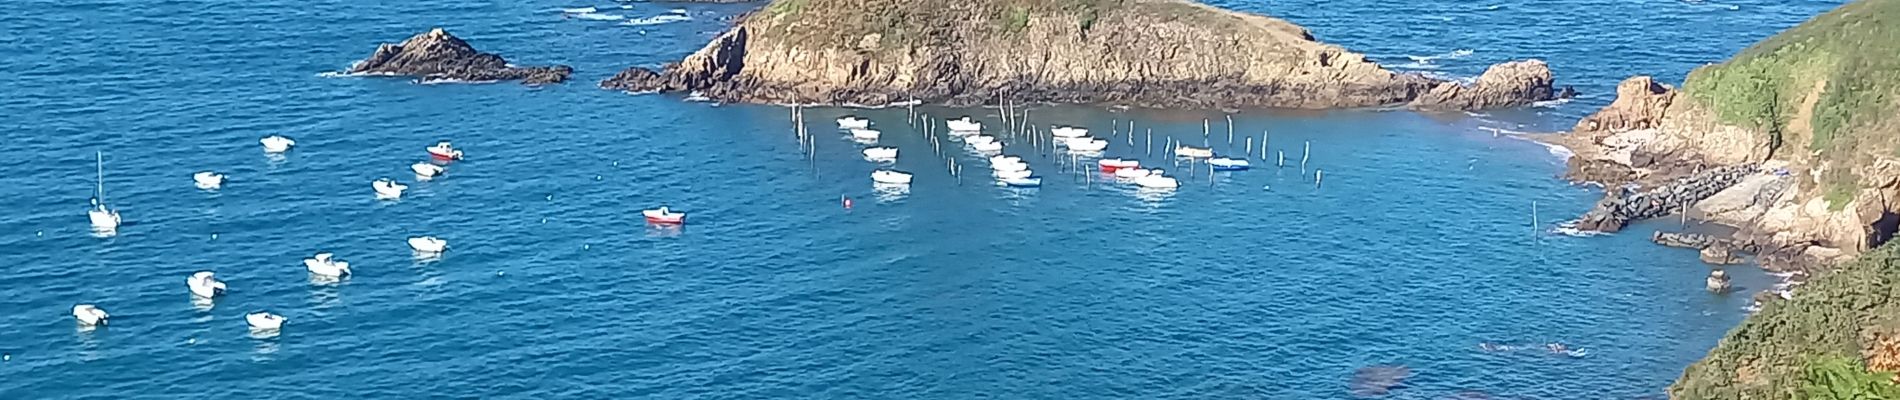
{"points": [[438, 56], [1640, 104]]}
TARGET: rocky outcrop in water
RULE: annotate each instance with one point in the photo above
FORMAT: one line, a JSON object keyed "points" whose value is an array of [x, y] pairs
{"points": [[438, 56], [1621, 205], [1156, 53], [1510, 84]]}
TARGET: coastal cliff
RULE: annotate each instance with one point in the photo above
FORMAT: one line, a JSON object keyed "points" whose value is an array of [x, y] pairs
{"points": [[1794, 142], [438, 56], [1156, 53]]}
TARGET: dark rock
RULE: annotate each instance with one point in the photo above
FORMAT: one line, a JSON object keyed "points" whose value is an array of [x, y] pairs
{"points": [[438, 56], [1378, 380]]}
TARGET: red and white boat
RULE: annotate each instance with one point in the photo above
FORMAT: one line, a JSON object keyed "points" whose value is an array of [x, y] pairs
{"points": [[444, 151], [664, 216], [1112, 164]]}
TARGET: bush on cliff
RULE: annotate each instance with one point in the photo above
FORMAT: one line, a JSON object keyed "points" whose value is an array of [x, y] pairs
{"points": [[1848, 313], [1843, 378]]}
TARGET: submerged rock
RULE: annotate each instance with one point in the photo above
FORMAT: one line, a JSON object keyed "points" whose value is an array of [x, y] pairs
{"points": [[1378, 380], [1718, 282], [1155, 53], [438, 56]]}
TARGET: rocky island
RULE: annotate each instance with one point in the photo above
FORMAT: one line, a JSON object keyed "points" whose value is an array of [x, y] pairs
{"points": [[1793, 141], [1154, 53], [438, 56]]}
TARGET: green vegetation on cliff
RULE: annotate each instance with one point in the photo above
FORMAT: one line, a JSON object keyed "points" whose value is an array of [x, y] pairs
{"points": [[1847, 59], [841, 23], [1813, 345]]}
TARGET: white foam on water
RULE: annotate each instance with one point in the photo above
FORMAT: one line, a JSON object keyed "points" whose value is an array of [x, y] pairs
{"points": [[1569, 228], [579, 10], [599, 16], [658, 19], [1551, 103], [427, 81], [1451, 55]]}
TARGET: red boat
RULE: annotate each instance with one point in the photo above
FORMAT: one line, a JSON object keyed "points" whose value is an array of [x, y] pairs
{"points": [[664, 216], [445, 152], [1112, 164]]}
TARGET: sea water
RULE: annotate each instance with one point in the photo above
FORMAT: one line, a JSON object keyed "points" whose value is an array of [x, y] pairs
{"points": [[1429, 235]]}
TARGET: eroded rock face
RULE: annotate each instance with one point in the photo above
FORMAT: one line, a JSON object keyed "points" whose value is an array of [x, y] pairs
{"points": [[1157, 53], [1509, 84], [438, 56], [1640, 104]]}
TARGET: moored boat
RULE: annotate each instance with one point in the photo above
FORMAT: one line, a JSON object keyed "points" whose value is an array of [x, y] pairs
{"points": [[444, 151], [208, 180], [1085, 144], [663, 215], [1012, 174], [1024, 182], [965, 124], [388, 189], [1155, 180], [1113, 164], [276, 144], [851, 122], [1228, 164], [1068, 132], [881, 153], [1194, 152], [866, 134], [425, 171], [890, 176]]}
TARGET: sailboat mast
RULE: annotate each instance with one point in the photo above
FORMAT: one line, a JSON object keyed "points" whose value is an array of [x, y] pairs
{"points": [[101, 164]]}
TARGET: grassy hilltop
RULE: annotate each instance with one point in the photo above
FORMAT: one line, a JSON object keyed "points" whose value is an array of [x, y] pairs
{"points": [[1824, 91]]}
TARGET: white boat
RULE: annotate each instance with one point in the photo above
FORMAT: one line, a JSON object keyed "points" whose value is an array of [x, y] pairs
{"points": [[428, 244], [980, 139], [205, 284], [444, 151], [1010, 166], [208, 180], [962, 134], [663, 215], [425, 170], [1228, 164], [964, 124], [850, 122], [265, 321], [276, 144], [1012, 174], [1131, 173], [1026, 182], [881, 153], [866, 134], [890, 176], [1068, 132], [1194, 152], [323, 264], [1087, 144], [89, 315], [1157, 181], [103, 217], [388, 189], [1005, 159], [987, 147]]}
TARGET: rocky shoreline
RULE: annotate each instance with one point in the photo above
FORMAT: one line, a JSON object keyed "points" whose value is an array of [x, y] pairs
{"points": [[437, 56], [1159, 54]]}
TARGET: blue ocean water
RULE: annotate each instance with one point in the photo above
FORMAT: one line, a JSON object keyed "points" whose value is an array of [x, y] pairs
{"points": [[1419, 245]]}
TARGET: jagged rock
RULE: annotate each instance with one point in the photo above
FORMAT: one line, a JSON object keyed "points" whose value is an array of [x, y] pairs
{"points": [[1640, 104], [1508, 84], [438, 56], [1378, 380], [1155, 53], [1719, 253]]}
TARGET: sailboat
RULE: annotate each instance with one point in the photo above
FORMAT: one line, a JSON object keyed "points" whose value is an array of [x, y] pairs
{"points": [[104, 219]]}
